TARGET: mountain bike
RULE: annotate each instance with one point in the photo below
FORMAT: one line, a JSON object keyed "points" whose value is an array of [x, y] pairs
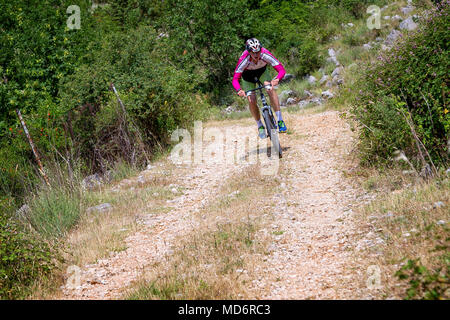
{"points": [[269, 120]]}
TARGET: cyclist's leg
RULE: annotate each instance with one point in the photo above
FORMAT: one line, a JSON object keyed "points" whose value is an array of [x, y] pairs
{"points": [[274, 101], [251, 99], [266, 77], [253, 106]]}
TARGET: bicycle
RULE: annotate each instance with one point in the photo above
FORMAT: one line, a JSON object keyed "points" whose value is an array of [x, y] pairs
{"points": [[269, 120]]}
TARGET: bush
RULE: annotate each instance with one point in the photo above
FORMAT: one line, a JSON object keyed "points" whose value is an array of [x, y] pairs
{"points": [[23, 260], [424, 283], [414, 72]]}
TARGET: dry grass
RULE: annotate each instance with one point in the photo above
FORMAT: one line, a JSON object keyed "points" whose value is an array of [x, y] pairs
{"points": [[216, 260], [411, 223], [98, 234]]}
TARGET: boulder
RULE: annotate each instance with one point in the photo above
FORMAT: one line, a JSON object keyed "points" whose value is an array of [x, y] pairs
{"points": [[392, 37], [308, 93], [92, 181], [338, 71], [311, 79], [288, 77], [101, 208], [324, 79], [290, 101], [327, 94], [332, 57], [408, 24], [284, 95], [407, 10]]}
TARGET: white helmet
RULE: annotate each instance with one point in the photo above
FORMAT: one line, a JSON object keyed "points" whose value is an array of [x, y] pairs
{"points": [[253, 45]]}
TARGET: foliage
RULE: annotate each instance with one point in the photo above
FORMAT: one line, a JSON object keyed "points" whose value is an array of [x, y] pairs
{"points": [[22, 259], [206, 38], [426, 284], [415, 72]]}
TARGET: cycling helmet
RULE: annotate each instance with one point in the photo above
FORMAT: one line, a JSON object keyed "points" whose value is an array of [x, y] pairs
{"points": [[253, 45]]}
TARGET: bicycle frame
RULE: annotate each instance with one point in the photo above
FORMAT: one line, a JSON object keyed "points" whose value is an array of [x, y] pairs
{"points": [[263, 99], [268, 118]]}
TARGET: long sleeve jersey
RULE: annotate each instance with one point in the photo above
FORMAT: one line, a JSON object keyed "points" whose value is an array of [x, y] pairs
{"points": [[246, 63]]}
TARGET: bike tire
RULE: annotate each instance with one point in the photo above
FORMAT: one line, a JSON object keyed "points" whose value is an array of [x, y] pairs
{"points": [[272, 132]]}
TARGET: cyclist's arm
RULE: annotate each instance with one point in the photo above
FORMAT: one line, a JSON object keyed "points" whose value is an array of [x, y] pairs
{"points": [[270, 59], [240, 67], [236, 83]]}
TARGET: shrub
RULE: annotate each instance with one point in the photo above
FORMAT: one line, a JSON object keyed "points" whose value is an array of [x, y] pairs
{"points": [[22, 260], [424, 283], [415, 72]]}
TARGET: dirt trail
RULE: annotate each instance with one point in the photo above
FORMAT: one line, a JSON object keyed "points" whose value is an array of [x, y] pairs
{"points": [[312, 258]]}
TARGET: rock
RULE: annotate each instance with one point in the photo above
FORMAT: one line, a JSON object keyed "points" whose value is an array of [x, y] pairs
{"points": [[396, 18], [350, 24], [174, 190], [392, 37], [407, 10], [329, 84], [447, 172], [385, 47], [379, 39], [408, 24], [438, 204], [284, 95], [303, 104], [337, 71], [23, 212], [311, 79], [440, 222], [387, 17], [308, 93], [150, 167], [92, 181], [288, 77], [324, 79], [104, 207], [337, 80], [367, 46], [327, 94], [389, 215], [290, 101], [316, 100], [229, 109], [333, 57]]}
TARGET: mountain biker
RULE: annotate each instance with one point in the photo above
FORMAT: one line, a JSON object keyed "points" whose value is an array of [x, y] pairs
{"points": [[251, 64]]}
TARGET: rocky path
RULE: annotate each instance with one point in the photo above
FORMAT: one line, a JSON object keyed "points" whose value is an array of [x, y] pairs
{"points": [[312, 256]]}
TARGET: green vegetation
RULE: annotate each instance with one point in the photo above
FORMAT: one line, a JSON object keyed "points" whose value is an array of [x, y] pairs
{"points": [[171, 63], [405, 90]]}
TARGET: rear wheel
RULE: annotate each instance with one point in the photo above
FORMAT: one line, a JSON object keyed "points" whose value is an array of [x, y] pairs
{"points": [[272, 132]]}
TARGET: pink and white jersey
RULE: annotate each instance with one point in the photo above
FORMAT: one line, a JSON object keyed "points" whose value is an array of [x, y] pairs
{"points": [[246, 63]]}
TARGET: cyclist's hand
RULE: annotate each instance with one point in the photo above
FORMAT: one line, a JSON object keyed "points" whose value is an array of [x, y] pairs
{"points": [[241, 93], [275, 82]]}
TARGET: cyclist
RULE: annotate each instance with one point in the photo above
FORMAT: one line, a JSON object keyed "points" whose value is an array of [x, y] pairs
{"points": [[253, 63]]}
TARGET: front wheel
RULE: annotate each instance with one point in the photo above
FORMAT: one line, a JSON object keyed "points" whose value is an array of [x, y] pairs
{"points": [[272, 132]]}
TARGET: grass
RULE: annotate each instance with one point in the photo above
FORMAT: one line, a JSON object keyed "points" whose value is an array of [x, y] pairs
{"points": [[95, 235], [209, 263], [413, 223]]}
